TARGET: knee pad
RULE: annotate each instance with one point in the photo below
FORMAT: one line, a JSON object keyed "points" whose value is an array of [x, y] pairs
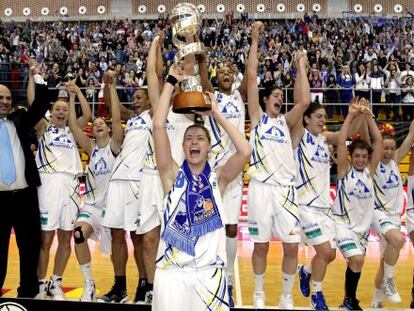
{"points": [[81, 238]]}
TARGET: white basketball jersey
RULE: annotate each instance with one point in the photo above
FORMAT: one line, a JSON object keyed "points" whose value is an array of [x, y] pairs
{"points": [[99, 173], [354, 203], [129, 162], [210, 249], [58, 152], [272, 158], [232, 108], [176, 125], [388, 188], [313, 177]]}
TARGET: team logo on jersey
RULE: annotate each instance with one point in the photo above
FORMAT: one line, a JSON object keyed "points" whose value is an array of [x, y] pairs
{"points": [[361, 191], [101, 168], [320, 155], [169, 126], [136, 123], [62, 141], [382, 168], [310, 139], [392, 182], [274, 134], [231, 111]]}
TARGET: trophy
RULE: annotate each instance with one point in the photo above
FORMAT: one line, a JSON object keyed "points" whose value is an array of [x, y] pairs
{"points": [[185, 21]]}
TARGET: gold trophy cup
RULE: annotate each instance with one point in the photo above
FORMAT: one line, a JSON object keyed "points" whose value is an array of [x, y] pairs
{"points": [[185, 21]]}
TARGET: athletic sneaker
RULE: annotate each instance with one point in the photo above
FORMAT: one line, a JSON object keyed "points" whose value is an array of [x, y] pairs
{"points": [[55, 289], [231, 299], [89, 291], [148, 297], [377, 305], [350, 304], [389, 290], [318, 301], [286, 302], [42, 290], [259, 299], [114, 295], [141, 291], [304, 280]]}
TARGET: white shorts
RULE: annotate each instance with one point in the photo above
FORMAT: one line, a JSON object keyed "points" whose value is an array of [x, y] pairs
{"points": [[58, 201], [317, 226], [178, 290], [94, 216], [272, 212], [149, 203], [122, 205], [351, 243], [232, 199], [382, 222], [410, 205]]}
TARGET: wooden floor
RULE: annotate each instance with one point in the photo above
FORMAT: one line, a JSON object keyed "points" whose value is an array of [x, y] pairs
{"points": [[333, 286]]}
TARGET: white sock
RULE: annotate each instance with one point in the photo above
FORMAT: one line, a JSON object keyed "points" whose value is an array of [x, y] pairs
{"points": [[231, 248], [388, 271], [316, 286], [56, 278], [287, 283], [258, 282], [308, 268], [378, 294], [42, 284], [86, 270]]}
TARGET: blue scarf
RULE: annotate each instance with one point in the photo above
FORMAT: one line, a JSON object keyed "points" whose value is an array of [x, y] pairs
{"points": [[196, 213]]}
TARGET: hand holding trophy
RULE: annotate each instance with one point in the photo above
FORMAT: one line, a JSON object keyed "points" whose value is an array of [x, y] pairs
{"points": [[185, 22]]}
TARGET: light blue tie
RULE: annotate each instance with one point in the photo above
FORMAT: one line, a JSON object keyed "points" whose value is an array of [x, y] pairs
{"points": [[8, 170]]}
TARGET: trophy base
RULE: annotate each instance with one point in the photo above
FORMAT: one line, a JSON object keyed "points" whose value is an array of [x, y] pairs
{"points": [[187, 102]]}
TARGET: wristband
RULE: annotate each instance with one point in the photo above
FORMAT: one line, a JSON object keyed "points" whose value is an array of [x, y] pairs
{"points": [[172, 80]]}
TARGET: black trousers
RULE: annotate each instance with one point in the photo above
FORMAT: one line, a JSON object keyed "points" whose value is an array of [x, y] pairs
{"points": [[20, 211]]}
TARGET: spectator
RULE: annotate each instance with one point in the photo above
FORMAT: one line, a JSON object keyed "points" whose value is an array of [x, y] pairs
{"points": [[407, 94], [361, 82], [376, 83]]}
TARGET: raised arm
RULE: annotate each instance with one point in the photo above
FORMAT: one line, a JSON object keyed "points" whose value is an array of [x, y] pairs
{"points": [[406, 145], [86, 109], [166, 165], [341, 148], [81, 138], [152, 76], [243, 85], [34, 68], [111, 98], [378, 151], [253, 106], [301, 92], [117, 131]]}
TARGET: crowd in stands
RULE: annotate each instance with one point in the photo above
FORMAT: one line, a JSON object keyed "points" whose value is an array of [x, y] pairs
{"points": [[360, 57]]}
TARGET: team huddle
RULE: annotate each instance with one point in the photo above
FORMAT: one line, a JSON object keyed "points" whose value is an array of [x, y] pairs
{"points": [[174, 183]]}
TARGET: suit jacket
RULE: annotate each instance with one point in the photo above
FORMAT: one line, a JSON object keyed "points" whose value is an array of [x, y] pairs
{"points": [[24, 122]]}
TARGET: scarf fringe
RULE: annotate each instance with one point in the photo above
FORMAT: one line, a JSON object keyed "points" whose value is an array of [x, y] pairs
{"points": [[177, 241], [209, 226]]}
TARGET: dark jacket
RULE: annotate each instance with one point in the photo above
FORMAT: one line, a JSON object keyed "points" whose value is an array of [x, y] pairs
{"points": [[24, 122]]}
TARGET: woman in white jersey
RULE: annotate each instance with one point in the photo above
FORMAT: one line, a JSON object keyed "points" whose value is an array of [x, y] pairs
{"points": [[59, 165], [272, 205], [389, 200], [410, 211], [354, 204], [313, 197], [101, 151], [191, 256]]}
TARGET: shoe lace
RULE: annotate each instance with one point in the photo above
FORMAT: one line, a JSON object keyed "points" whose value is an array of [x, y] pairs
{"points": [[389, 286]]}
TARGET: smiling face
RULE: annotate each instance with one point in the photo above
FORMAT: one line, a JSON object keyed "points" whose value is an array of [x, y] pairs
{"points": [[316, 121], [5, 101], [100, 129], [359, 158], [225, 78], [196, 145], [141, 101], [273, 102], [60, 113], [389, 146]]}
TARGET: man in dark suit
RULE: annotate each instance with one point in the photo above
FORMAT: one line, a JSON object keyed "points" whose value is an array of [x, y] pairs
{"points": [[19, 179]]}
